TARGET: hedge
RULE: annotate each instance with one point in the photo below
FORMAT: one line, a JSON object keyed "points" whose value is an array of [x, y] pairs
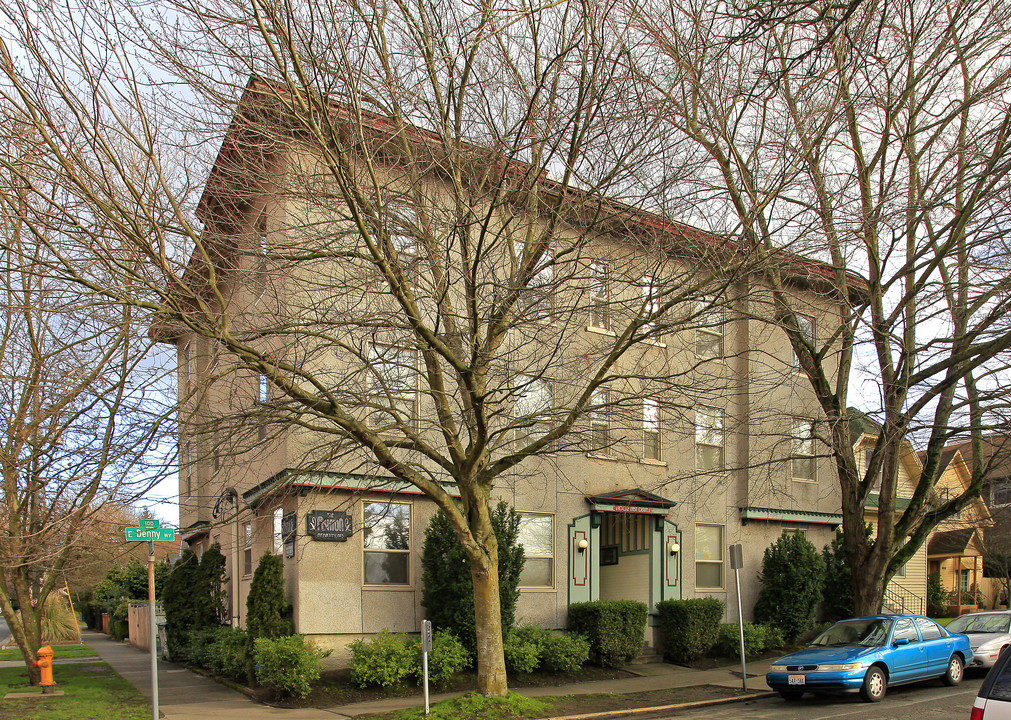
{"points": [[689, 628], [615, 629]]}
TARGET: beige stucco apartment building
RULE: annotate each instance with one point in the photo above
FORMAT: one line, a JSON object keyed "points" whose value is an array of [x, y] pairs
{"points": [[681, 470]]}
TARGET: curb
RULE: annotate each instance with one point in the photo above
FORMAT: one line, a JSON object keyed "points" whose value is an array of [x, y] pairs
{"points": [[663, 708]]}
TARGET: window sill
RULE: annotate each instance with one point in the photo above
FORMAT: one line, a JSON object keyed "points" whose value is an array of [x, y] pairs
{"points": [[710, 590], [654, 463], [388, 588], [600, 331], [611, 458], [712, 358], [537, 590], [654, 343], [807, 481]]}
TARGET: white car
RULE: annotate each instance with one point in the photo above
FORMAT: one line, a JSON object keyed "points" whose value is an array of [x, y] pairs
{"points": [[993, 702], [989, 634]]}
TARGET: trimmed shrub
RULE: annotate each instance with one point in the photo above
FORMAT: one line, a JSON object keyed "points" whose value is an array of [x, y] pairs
{"points": [[792, 576], [689, 628], [773, 636], [288, 665], [267, 612], [119, 621], [728, 643], [447, 658], [614, 628], [186, 607], [448, 596], [522, 651], [564, 652], [229, 655], [385, 660]]}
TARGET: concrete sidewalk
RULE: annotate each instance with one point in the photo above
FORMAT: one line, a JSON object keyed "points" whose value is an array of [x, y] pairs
{"points": [[186, 695]]}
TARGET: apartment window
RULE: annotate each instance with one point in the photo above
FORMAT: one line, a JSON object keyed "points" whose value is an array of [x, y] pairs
{"points": [[650, 429], [709, 557], [392, 386], [805, 323], [795, 531], [533, 401], [263, 389], [600, 421], [537, 297], [188, 469], [277, 536], [387, 541], [537, 538], [802, 450], [901, 572], [709, 333], [650, 302], [963, 580], [709, 453], [600, 316], [247, 548]]}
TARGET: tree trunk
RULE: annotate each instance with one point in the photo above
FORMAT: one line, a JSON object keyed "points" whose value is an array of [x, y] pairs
{"points": [[491, 670]]}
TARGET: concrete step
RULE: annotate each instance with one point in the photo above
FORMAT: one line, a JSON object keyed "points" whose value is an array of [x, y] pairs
{"points": [[647, 657]]}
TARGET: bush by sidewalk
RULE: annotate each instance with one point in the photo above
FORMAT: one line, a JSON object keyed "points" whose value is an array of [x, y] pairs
{"points": [[615, 629], [689, 628]]}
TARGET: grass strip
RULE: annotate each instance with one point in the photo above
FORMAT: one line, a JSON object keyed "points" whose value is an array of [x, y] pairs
{"points": [[59, 651], [92, 691]]}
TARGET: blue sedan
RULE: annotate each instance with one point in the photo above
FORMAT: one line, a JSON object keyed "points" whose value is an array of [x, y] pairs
{"points": [[868, 654]]}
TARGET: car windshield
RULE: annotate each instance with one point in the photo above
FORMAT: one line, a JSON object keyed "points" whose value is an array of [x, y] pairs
{"points": [[869, 633], [991, 623]]}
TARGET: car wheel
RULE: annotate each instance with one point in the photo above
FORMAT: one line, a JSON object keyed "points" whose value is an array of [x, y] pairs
{"points": [[953, 676], [791, 695], [875, 684]]}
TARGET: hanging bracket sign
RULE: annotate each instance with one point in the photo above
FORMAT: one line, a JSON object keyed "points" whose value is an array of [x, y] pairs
{"points": [[328, 525]]}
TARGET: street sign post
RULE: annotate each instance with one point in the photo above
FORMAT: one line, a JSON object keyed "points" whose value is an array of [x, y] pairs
{"points": [[736, 563], [150, 533], [426, 647]]}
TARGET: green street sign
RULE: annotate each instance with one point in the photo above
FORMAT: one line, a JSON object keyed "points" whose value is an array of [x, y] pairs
{"points": [[154, 534], [148, 523]]}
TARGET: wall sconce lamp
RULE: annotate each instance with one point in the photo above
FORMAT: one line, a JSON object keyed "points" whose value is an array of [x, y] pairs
{"points": [[582, 545], [674, 548]]}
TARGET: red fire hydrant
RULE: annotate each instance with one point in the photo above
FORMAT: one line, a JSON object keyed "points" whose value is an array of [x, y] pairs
{"points": [[45, 664]]}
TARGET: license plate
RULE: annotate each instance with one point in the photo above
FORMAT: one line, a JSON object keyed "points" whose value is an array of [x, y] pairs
{"points": [[796, 680]]}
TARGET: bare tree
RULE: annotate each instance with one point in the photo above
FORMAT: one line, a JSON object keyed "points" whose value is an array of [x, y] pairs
{"points": [[877, 136], [417, 210], [79, 390]]}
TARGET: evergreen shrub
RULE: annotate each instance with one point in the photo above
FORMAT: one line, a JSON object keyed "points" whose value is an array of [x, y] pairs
{"points": [[448, 657], [448, 596], [792, 577], [229, 655], [614, 628], [937, 596], [386, 660], [289, 665], [522, 651], [837, 594], [267, 612], [689, 628], [189, 605], [728, 643], [564, 652]]}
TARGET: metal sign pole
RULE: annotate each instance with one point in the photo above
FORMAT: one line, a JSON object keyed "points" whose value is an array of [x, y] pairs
{"points": [[426, 647], [736, 563], [153, 628]]}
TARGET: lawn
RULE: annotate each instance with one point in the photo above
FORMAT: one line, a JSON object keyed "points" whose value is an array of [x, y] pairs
{"points": [[60, 651], [92, 691]]}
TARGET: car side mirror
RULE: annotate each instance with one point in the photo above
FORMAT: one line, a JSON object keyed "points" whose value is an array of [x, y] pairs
{"points": [[901, 641]]}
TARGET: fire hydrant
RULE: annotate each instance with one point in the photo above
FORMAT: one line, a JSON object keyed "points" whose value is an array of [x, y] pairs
{"points": [[45, 664]]}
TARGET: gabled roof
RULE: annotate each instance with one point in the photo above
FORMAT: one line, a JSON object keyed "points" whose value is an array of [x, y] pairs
{"points": [[952, 542], [634, 497], [262, 101]]}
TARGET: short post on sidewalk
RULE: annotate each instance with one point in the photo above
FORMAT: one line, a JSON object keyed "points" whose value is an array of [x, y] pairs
{"points": [[426, 647], [736, 563]]}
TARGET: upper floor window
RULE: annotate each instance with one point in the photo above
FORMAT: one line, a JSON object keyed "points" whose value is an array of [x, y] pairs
{"points": [[533, 402], [709, 447], [802, 450], [247, 548], [600, 421], [386, 536], [187, 366], [650, 301], [188, 469], [537, 298], [805, 324], [263, 389], [600, 316], [651, 429], [537, 538], [392, 386], [709, 332]]}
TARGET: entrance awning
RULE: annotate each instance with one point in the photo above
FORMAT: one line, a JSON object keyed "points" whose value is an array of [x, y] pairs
{"points": [[635, 501], [791, 516]]}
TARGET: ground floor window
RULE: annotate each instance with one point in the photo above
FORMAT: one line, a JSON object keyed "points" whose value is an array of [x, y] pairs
{"points": [[387, 540], [537, 538], [709, 546]]}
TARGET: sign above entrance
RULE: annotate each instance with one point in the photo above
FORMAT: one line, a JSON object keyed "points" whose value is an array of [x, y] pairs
{"points": [[635, 501]]}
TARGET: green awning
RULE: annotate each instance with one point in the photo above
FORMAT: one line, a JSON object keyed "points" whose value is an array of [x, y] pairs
{"points": [[790, 516]]}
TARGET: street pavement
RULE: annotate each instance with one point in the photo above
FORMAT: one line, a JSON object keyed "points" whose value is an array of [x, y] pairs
{"points": [[928, 700]]}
